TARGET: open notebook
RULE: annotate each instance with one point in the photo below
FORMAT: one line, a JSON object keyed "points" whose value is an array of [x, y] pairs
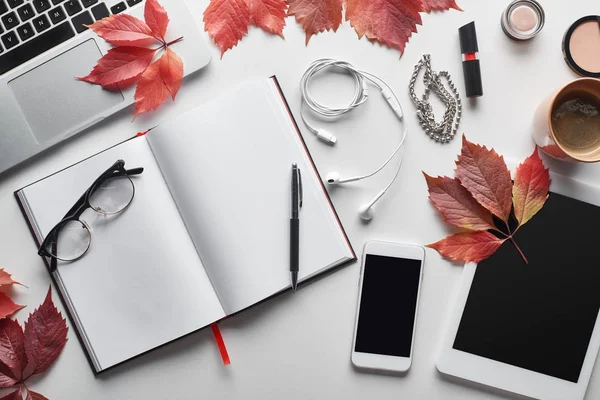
{"points": [[207, 234]]}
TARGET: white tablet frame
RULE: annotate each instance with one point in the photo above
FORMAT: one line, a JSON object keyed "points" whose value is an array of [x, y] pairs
{"points": [[504, 376]]}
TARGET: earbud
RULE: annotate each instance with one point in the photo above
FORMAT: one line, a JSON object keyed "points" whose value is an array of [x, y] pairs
{"points": [[333, 178], [366, 211]]}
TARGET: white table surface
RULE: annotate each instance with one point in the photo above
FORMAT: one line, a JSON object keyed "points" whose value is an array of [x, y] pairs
{"points": [[298, 346]]}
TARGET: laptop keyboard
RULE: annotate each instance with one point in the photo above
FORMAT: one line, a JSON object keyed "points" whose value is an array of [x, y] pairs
{"points": [[29, 28]]}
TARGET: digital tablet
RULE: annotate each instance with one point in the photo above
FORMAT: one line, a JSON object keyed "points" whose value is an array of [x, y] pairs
{"points": [[533, 329]]}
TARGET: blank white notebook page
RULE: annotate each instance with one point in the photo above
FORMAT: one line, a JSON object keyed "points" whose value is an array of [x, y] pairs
{"points": [[141, 284], [228, 165]]}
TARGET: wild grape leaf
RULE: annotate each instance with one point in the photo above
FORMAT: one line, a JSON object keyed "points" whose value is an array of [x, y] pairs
{"points": [[530, 189], [439, 5], [156, 18], [456, 204], [316, 15], [6, 279], [124, 30], [468, 246], [7, 378], [12, 347], [120, 66], [161, 79], [484, 173], [389, 22], [16, 395], [7, 306], [226, 22], [268, 15], [31, 395], [45, 335]]}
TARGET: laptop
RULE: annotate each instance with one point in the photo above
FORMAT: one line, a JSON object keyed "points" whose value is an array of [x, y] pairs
{"points": [[44, 46]]}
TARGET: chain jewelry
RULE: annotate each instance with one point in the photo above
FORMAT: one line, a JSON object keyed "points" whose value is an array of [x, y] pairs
{"points": [[445, 130]]}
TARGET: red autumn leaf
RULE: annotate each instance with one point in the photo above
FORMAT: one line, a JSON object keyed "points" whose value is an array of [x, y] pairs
{"points": [[171, 70], [160, 80], [45, 335], [439, 5], [389, 22], [268, 15], [7, 306], [6, 279], [124, 30], [468, 246], [226, 21], [16, 395], [456, 204], [31, 395], [12, 347], [120, 66], [156, 18], [7, 378], [316, 15], [484, 173], [530, 189]]}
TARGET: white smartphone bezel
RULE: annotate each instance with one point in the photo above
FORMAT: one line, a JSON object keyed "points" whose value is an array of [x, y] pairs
{"points": [[378, 361]]}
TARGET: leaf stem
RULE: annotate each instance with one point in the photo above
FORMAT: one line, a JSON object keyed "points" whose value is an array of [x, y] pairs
{"points": [[179, 39], [512, 239]]}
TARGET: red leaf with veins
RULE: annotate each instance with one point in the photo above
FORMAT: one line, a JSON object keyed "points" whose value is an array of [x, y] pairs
{"points": [[120, 66], [12, 347], [389, 22], [468, 246], [151, 90], [484, 173], [268, 15], [16, 395], [6, 279], [171, 70], [226, 21], [530, 190], [7, 378], [157, 19], [124, 30], [316, 15], [45, 335], [7, 306], [439, 5], [31, 395], [456, 204]]}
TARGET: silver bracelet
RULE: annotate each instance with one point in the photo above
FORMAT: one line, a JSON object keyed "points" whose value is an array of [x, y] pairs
{"points": [[445, 130]]}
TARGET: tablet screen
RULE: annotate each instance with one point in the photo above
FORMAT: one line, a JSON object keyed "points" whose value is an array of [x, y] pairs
{"points": [[539, 316]]}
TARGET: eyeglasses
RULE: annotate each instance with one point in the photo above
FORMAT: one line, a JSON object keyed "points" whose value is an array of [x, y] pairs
{"points": [[111, 193]]}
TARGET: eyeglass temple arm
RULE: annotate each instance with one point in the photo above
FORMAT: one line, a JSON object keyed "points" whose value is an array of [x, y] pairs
{"points": [[135, 171]]}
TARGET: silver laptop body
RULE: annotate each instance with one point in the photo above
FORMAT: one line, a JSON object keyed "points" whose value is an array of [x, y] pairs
{"points": [[41, 102]]}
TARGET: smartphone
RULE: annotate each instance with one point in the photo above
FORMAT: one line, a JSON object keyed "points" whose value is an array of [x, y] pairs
{"points": [[386, 314]]}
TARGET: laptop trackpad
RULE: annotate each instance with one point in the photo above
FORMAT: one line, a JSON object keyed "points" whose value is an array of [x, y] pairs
{"points": [[54, 102]]}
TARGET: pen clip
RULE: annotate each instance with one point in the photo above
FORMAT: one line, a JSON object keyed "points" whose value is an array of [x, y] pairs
{"points": [[301, 194]]}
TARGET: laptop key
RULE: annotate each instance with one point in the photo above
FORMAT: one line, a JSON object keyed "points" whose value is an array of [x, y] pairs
{"points": [[10, 40], [15, 3], [72, 7], [55, 2], [10, 20], [41, 5], [82, 19], [132, 3], [25, 31], [100, 11], [89, 3], [36, 46], [3, 7], [57, 14], [41, 23], [118, 8], [26, 12]]}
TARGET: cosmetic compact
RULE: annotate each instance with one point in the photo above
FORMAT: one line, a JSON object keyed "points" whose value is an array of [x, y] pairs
{"points": [[523, 19], [581, 46]]}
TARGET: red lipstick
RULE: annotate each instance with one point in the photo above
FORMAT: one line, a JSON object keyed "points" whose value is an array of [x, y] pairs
{"points": [[470, 57]]}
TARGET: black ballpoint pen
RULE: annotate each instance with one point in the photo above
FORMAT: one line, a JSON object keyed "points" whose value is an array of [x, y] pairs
{"points": [[295, 224]]}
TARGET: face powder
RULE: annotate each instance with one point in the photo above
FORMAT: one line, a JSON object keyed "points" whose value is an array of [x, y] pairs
{"points": [[581, 46], [523, 19]]}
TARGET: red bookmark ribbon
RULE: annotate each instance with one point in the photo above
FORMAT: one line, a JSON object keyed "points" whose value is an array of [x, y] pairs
{"points": [[220, 343]]}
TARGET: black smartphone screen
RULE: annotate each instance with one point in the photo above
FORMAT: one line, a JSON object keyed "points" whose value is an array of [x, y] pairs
{"points": [[388, 304]]}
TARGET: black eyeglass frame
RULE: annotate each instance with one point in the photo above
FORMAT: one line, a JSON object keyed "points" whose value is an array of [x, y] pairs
{"points": [[116, 170]]}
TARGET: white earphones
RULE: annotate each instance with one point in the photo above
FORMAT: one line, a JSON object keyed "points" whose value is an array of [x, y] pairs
{"points": [[361, 94]]}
